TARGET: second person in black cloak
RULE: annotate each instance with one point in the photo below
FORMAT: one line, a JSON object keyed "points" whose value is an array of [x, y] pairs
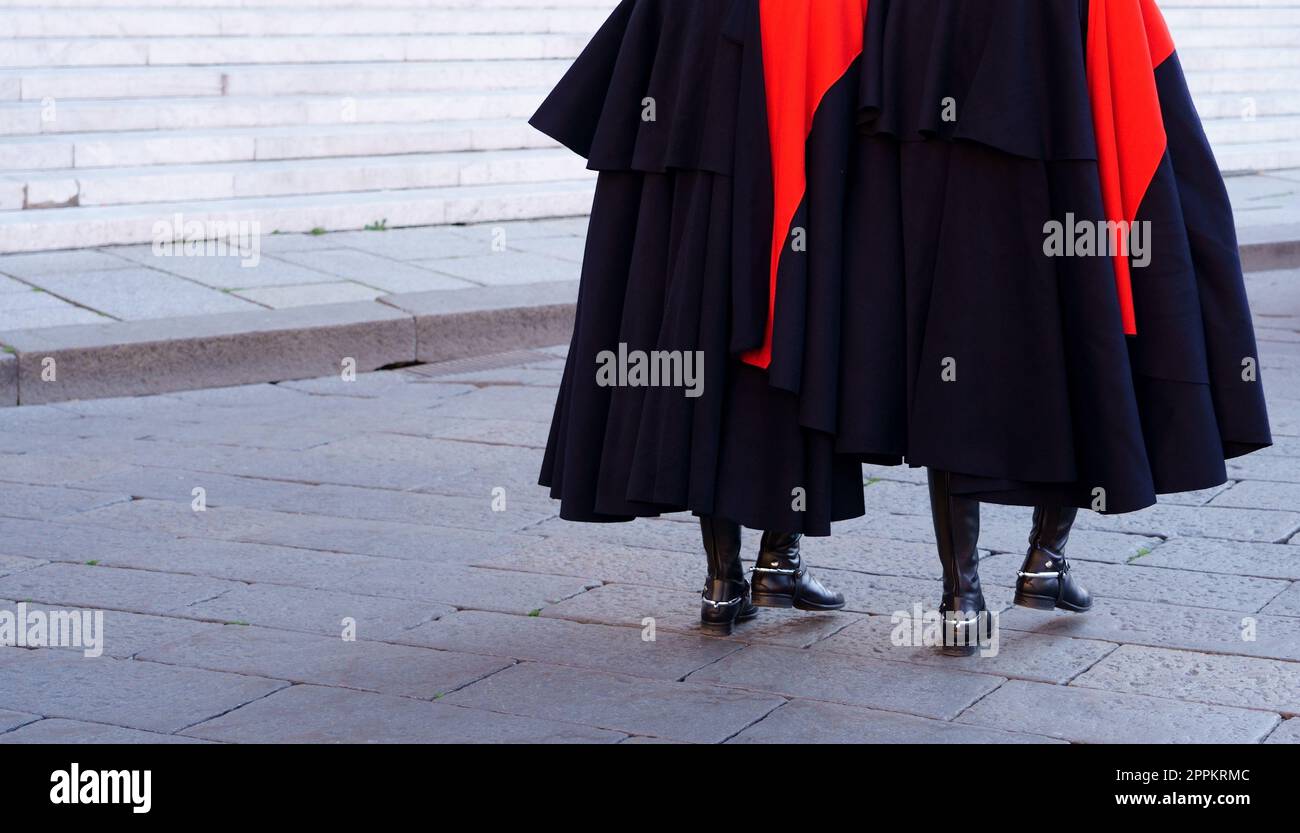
{"points": [[846, 209]]}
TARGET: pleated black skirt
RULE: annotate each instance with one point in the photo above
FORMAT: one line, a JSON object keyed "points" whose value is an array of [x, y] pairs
{"points": [[902, 307]]}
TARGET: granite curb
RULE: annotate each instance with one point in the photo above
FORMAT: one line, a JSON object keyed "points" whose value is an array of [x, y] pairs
{"points": [[95, 361]]}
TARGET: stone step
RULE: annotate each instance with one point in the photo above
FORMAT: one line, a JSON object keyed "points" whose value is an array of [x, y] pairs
{"points": [[1200, 49], [86, 116], [203, 51], [1258, 156], [1165, 5], [1243, 81], [78, 83], [172, 183], [247, 144], [69, 228], [134, 22], [1243, 105], [1249, 38], [1235, 131], [1227, 16], [1209, 59], [338, 113]]}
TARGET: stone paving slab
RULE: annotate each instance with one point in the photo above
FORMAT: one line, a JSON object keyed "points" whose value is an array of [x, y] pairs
{"points": [[313, 466], [124, 633], [610, 563], [380, 272], [36, 309], [624, 650], [1288, 732], [678, 610], [504, 268], [315, 714], [49, 503], [1026, 656], [1287, 602], [327, 500], [810, 721], [392, 539], [139, 591], [634, 705], [10, 564], [442, 583], [1088, 716], [286, 297], [1261, 466], [1260, 494], [1204, 678], [57, 730], [319, 611], [137, 294], [55, 470], [408, 244], [44, 264], [941, 693], [153, 550], [1154, 584], [306, 658], [130, 693], [1226, 557], [1201, 521], [248, 435], [222, 272], [1168, 626], [10, 720]]}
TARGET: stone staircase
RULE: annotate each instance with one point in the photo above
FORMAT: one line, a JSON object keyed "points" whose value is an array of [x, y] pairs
{"points": [[342, 114]]}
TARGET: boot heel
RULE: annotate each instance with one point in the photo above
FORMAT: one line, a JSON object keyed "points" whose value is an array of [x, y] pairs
{"points": [[719, 628], [1034, 602], [773, 600]]}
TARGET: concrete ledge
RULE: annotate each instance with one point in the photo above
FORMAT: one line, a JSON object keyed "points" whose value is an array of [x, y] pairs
{"points": [[132, 358], [1266, 248], [143, 357], [8, 380], [461, 323]]}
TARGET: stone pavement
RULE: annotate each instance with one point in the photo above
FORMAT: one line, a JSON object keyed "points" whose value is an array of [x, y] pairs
{"points": [[131, 283], [234, 537]]}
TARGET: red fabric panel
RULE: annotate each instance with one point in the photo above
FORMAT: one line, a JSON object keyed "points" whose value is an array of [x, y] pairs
{"points": [[1127, 39], [807, 47]]}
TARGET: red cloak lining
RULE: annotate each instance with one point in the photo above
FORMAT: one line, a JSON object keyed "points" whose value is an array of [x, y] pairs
{"points": [[807, 48], [1127, 41]]}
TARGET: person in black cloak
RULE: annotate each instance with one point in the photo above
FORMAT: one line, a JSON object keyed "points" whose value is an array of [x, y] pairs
{"points": [[987, 237]]}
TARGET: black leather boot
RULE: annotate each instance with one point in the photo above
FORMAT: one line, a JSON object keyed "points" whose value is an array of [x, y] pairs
{"points": [[1044, 581], [725, 600], [957, 532], [781, 578]]}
